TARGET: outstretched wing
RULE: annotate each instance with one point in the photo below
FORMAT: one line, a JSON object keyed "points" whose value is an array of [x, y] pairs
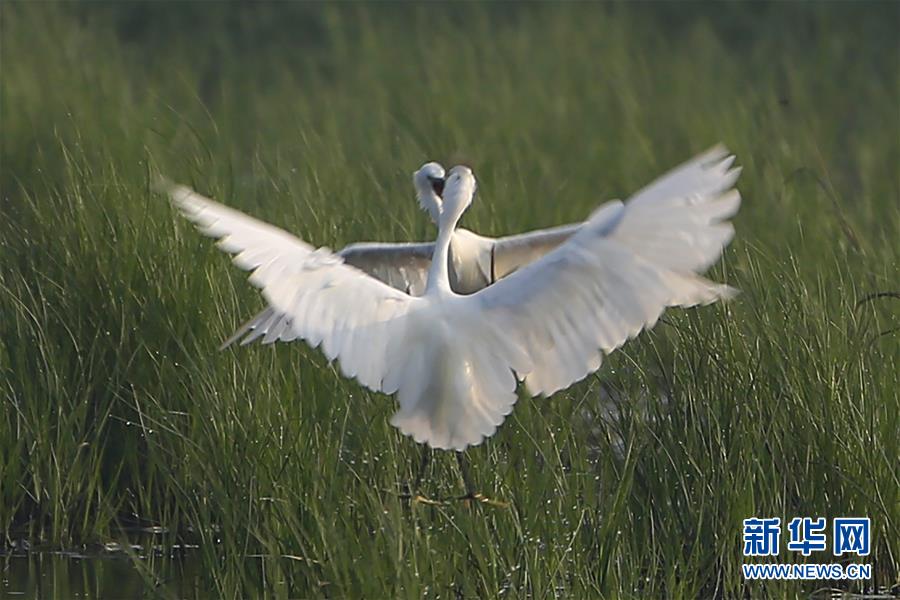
{"points": [[401, 266], [513, 252], [353, 316], [618, 272]]}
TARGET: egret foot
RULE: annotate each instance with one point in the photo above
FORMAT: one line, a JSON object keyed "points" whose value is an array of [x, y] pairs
{"points": [[481, 498], [419, 499], [415, 498]]}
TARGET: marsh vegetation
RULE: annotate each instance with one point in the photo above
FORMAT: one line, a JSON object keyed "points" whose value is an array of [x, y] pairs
{"points": [[267, 471]]}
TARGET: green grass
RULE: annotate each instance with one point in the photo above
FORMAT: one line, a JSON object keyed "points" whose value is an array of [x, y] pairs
{"points": [[117, 409]]}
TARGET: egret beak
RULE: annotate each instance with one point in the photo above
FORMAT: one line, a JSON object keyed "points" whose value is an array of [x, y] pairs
{"points": [[437, 184]]}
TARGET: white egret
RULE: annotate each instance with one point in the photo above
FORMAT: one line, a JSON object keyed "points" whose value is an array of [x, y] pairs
{"points": [[454, 361], [474, 261]]}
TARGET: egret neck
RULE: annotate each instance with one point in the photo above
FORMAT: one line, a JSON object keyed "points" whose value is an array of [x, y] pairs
{"points": [[458, 192]]}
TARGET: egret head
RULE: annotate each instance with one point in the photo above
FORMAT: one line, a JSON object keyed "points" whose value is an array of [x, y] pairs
{"points": [[458, 192], [429, 184]]}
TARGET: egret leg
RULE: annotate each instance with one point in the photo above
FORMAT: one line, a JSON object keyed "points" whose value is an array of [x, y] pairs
{"points": [[471, 494], [464, 469], [423, 464], [414, 494]]}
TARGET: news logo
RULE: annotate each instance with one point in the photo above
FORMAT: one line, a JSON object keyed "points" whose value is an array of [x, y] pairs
{"points": [[806, 536], [761, 536], [851, 536]]}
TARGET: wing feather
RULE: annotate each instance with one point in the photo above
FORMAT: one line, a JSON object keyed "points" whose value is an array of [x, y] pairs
{"points": [[401, 266], [616, 275], [312, 293], [515, 251]]}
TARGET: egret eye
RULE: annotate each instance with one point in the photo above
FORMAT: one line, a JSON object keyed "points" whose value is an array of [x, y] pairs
{"points": [[437, 184]]}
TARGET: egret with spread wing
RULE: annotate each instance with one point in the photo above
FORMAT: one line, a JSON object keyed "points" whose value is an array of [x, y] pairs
{"points": [[474, 261], [454, 361]]}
